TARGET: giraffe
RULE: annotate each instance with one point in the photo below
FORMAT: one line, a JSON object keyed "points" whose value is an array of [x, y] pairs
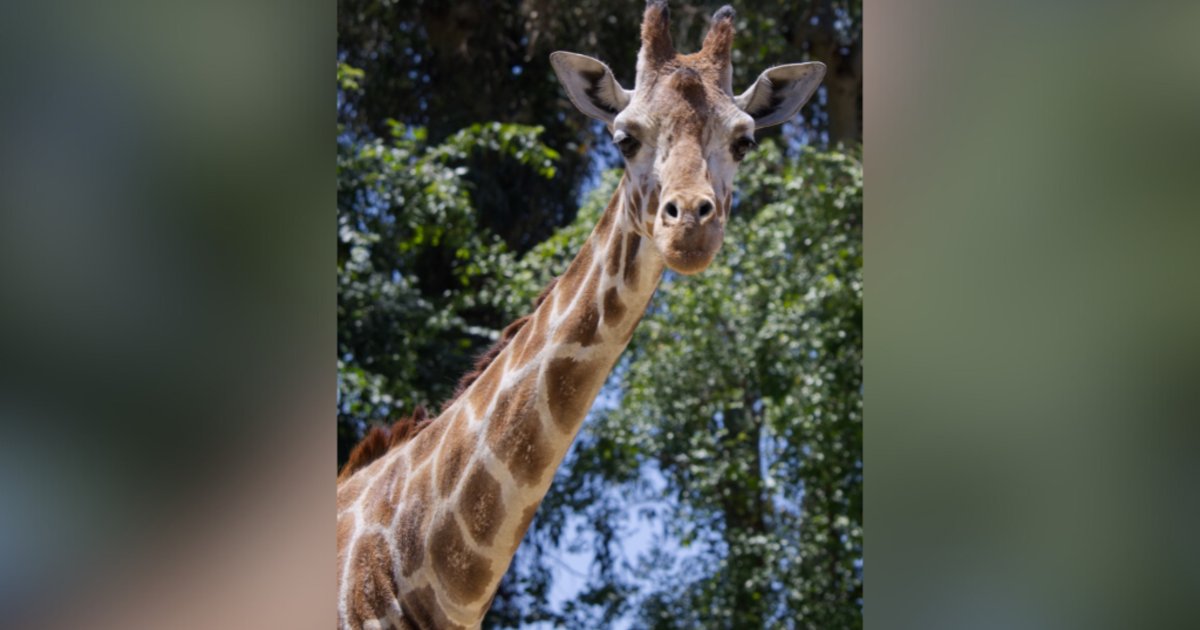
{"points": [[431, 513]]}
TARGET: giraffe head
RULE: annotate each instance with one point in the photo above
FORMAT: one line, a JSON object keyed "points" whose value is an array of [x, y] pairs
{"points": [[682, 130]]}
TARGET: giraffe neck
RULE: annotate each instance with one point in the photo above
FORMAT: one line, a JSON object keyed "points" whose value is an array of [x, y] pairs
{"points": [[451, 507]]}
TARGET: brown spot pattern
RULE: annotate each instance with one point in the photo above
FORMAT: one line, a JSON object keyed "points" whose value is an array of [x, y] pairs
{"points": [[633, 212], [354, 611], [634, 242], [523, 526], [518, 343], [582, 324], [453, 456], [481, 507], [567, 391], [535, 343], [349, 491], [401, 475], [614, 308], [606, 219], [410, 534], [427, 440], [615, 252], [485, 389], [651, 210], [379, 497], [652, 203], [374, 589], [420, 606], [515, 433], [575, 275], [464, 573]]}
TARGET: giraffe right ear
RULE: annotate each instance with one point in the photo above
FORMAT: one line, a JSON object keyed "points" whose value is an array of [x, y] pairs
{"points": [[780, 92], [591, 85]]}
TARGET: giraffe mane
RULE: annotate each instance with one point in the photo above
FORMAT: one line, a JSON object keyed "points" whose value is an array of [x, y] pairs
{"points": [[379, 440]]}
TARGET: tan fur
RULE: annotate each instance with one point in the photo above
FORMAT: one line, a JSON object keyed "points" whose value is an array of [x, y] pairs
{"points": [[516, 435], [582, 323], [526, 521], [656, 33], [718, 43], [566, 406], [483, 509], [574, 276], [536, 340], [614, 308], [422, 608], [410, 535], [464, 573], [455, 451], [633, 244], [614, 259]]}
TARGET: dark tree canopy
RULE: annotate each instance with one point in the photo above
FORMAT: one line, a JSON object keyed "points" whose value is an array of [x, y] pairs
{"points": [[447, 65]]}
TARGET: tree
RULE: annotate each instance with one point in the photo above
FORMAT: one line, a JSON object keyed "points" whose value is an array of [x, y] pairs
{"points": [[831, 32], [445, 66], [743, 389], [412, 259]]}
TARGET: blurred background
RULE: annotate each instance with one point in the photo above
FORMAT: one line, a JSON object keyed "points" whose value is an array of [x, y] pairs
{"points": [[169, 293], [717, 482], [1034, 347], [167, 300]]}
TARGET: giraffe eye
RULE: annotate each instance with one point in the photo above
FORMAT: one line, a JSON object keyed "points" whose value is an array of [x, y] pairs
{"points": [[628, 144], [741, 146]]}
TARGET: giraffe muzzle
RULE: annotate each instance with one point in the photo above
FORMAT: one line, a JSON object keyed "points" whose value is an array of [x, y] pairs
{"points": [[688, 232]]}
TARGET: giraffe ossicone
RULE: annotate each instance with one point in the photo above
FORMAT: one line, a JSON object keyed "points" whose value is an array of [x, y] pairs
{"points": [[430, 514]]}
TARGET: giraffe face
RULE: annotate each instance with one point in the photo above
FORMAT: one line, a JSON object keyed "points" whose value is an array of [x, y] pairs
{"points": [[682, 138], [682, 131]]}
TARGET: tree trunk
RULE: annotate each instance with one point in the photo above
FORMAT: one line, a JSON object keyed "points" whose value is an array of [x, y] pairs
{"points": [[842, 55], [744, 507], [843, 85]]}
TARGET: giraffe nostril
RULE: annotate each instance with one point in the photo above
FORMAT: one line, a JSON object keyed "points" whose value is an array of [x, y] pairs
{"points": [[671, 210], [706, 209]]}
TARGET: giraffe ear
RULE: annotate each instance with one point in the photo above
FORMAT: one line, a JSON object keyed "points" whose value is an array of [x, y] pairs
{"points": [[591, 85], [780, 92]]}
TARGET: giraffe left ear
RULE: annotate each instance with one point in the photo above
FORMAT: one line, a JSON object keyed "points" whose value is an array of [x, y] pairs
{"points": [[780, 92], [591, 85]]}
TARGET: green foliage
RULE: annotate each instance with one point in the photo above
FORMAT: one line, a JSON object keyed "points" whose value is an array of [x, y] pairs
{"points": [[411, 260], [348, 78], [743, 389], [529, 274], [515, 141]]}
